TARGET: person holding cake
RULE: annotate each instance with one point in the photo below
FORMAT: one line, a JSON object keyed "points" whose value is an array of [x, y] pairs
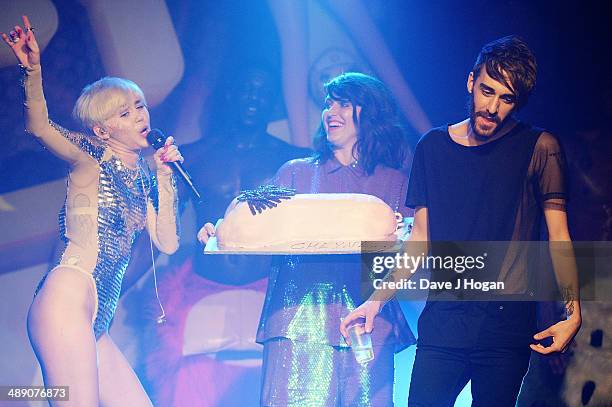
{"points": [[360, 148]]}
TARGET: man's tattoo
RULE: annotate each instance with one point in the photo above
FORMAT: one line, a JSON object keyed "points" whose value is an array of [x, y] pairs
{"points": [[569, 297]]}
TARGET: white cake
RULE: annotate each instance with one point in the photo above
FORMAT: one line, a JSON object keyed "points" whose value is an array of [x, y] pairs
{"points": [[308, 223]]}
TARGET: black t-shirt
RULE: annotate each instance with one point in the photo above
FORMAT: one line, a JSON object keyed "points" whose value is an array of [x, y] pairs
{"points": [[492, 192]]}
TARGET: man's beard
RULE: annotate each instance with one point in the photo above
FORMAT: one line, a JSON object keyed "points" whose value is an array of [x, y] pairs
{"points": [[474, 114]]}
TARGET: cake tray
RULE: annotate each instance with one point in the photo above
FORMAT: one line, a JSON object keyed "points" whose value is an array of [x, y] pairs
{"points": [[299, 248]]}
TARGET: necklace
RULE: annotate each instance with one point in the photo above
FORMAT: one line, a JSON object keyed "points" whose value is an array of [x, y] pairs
{"points": [[130, 176]]}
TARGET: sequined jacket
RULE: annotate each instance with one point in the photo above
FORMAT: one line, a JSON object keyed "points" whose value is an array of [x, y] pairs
{"points": [[308, 295]]}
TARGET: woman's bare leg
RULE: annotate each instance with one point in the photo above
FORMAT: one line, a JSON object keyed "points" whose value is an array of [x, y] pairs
{"points": [[61, 334], [119, 385]]}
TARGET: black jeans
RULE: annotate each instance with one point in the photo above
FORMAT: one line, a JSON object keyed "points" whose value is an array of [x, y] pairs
{"points": [[440, 373]]}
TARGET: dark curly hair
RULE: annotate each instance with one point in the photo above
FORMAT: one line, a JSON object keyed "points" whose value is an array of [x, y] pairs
{"points": [[381, 139], [512, 57]]}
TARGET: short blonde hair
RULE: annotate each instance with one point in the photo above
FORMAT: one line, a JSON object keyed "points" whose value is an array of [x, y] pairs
{"points": [[100, 100]]}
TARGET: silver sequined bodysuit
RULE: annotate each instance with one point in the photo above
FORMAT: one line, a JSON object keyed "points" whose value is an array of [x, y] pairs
{"points": [[107, 206], [122, 211]]}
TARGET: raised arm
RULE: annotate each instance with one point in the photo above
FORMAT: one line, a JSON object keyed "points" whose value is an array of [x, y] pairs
{"points": [[23, 44]]}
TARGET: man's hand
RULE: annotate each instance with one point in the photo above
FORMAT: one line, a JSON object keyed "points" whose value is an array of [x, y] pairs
{"points": [[206, 232], [368, 311], [562, 334]]}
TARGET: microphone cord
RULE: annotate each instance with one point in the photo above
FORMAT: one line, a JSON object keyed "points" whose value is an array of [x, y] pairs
{"points": [[162, 317]]}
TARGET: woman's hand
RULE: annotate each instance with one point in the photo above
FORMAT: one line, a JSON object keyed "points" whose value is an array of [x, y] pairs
{"points": [[23, 43], [206, 232], [167, 154]]}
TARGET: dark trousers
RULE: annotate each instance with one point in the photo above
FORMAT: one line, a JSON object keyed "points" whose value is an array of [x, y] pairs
{"points": [[440, 373]]}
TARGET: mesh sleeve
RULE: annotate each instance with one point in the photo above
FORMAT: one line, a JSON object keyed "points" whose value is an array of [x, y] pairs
{"points": [[550, 170]]}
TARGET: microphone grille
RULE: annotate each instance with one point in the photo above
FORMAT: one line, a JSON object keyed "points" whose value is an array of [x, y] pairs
{"points": [[156, 138]]}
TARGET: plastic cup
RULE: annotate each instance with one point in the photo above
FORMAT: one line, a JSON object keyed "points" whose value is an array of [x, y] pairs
{"points": [[361, 342]]}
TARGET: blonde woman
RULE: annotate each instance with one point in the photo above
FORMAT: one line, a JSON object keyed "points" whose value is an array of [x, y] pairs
{"points": [[112, 196]]}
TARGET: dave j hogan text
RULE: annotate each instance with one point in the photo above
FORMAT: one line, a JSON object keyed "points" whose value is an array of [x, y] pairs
{"points": [[469, 284]]}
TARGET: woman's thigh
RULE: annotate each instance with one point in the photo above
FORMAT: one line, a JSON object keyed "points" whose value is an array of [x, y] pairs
{"points": [[369, 384], [298, 374], [119, 385], [61, 334]]}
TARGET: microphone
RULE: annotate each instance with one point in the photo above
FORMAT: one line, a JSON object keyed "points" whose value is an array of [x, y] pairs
{"points": [[157, 140]]}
